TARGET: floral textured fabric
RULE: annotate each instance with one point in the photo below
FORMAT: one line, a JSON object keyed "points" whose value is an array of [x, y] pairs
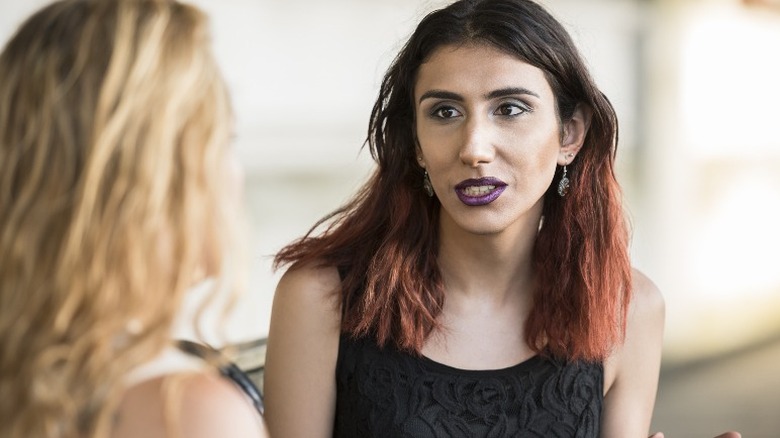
{"points": [[387, 393]]}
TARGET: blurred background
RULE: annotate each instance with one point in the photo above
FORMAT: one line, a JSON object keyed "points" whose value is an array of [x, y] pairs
{"points": [[696, 84]]}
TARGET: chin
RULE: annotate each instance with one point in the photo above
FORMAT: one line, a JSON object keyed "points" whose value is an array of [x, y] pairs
{"points": [[481, 228]]}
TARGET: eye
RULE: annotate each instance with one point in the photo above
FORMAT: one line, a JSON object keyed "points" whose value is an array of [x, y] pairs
{"points": [[510, 109], [445, 112]]}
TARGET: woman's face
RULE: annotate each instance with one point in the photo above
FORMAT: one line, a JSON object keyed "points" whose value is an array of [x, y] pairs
{"points": [[489, 136]]}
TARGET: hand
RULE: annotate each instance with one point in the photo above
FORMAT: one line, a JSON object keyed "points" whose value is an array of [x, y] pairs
{"points": [[723, 435]]}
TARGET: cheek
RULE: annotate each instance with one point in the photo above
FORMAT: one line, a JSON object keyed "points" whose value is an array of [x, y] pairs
{"points": [[423, 139], [536, 159], [548, 162], [436, 147], [547, 158]]}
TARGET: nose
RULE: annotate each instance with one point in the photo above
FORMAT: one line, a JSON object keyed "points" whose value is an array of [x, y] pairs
{"points": [[476, 148]]}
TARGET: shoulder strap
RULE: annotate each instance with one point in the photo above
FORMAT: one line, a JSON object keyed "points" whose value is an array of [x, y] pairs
{"points": [[226, 368]]}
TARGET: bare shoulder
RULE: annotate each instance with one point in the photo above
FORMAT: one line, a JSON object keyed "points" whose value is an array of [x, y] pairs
{"points": [[303, 342], [307, 293], [644, 328], [309, 282], [647, 300], [213, 406], [199, 405], [631, 372]]}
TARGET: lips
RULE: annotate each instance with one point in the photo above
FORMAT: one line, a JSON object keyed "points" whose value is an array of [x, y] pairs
{"points": [[479, 191]]}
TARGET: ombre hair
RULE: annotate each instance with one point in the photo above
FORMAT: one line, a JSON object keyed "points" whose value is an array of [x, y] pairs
{"points": [[385, 240], [114, 131]]}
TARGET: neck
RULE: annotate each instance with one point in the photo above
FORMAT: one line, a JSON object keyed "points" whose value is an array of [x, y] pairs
{"points": [[496, 265]]}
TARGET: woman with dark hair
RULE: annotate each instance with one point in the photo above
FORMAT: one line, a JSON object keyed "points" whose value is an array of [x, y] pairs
{"points": [[480, 283]]}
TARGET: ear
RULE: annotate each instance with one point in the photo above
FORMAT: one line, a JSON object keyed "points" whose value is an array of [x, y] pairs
{"points": [[418, 153], [574, 131]]}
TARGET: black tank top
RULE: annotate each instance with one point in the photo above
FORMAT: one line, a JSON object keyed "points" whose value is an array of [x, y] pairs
{"points": [[387, 393]]}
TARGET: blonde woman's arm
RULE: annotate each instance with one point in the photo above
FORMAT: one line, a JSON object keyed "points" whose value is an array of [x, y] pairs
{"points": [[303, 341]]}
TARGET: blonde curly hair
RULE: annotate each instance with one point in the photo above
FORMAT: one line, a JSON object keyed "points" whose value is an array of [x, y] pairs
{"points": [[114, 131]]}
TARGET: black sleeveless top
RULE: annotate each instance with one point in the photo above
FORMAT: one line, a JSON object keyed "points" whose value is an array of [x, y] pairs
{"points": [[387, 393]]}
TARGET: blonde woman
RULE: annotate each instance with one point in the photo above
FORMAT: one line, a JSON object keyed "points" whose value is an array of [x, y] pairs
{"points": [[117, 187]]}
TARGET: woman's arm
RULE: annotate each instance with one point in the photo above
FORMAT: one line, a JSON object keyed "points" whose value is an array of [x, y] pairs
{"points": [[303, 342], [631, 373]]}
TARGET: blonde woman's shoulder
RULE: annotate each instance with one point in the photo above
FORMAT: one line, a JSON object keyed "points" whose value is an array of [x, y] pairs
{"points": [[193, 405]]}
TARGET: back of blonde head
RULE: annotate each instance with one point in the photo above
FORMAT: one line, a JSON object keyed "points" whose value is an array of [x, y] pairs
{"points": [[114, 123]]}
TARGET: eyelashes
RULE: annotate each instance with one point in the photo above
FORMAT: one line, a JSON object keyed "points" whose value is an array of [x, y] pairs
{"points": [[511, 109], [445, 112], [505, 109]]}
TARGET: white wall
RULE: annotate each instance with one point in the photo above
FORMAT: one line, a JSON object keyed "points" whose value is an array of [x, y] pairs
{"points": [[712, 188], [697, 158], [304, 75]]}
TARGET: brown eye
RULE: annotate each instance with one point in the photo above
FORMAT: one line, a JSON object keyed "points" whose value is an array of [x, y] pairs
{"points": [[446, 112], [509, 109]]}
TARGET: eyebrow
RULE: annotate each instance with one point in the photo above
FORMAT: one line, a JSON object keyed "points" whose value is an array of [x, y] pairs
{"points": [[510, 91], [501, 92]]}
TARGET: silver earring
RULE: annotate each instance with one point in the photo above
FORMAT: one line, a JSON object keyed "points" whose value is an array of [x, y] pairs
{"points": [[427, 186], [563, 185]]}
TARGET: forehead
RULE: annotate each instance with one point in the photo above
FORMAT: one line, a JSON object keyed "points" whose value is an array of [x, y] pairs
{"points": [[478, 69]]}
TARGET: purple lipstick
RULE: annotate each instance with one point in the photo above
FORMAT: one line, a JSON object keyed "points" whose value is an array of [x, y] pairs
{"points": [[479, 191]]}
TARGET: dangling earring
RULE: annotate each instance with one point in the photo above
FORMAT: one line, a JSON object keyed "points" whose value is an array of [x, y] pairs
{"points": [[427, 186], [563, 185]]}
